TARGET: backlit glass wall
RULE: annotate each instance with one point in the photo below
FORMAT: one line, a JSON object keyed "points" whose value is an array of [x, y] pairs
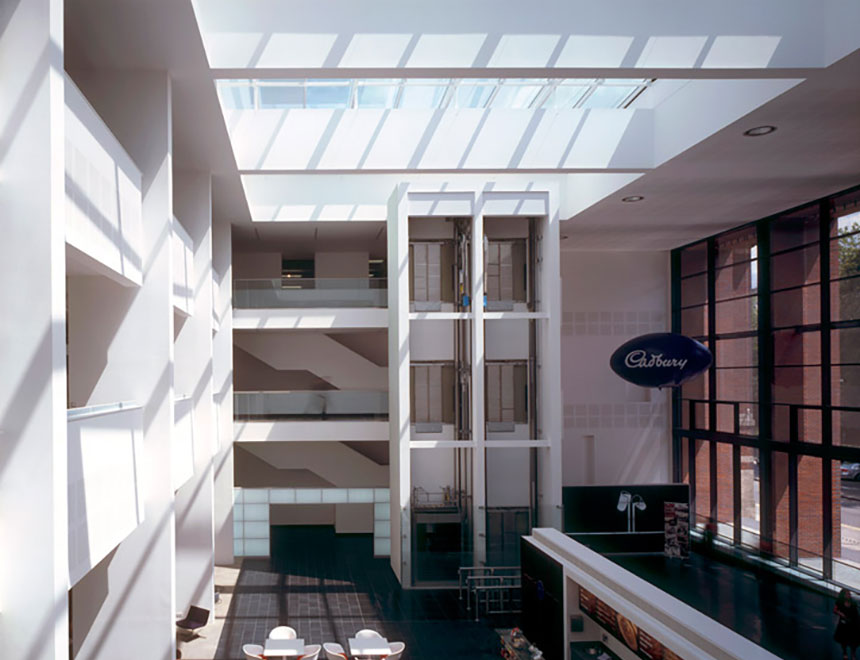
{"points": [[769, 437]]}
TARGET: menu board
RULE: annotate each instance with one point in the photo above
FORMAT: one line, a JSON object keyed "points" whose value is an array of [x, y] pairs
{"points": [[633, 637], [676, 529]]}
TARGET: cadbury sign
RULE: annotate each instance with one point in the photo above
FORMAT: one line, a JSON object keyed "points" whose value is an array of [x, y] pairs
{"points": [[661, 359]]}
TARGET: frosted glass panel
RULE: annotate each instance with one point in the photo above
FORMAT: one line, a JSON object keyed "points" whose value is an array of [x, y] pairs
{"points": [[238, 547], [308, 496], [238, 512], [237, 530], [256, 495], [361, 495], [237, 495], [381, 495], [282, 496], [382, 529], [382, 511], [382, 547], [334, 496], [257, 548], [256, 530], [257, 512]]}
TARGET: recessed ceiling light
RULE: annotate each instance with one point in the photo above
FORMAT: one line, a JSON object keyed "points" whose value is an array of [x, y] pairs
{"points": [[632, 198], [760, 130]]}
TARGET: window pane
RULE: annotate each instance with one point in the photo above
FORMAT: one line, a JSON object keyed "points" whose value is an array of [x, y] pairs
{"points": [[515, 96], [737, 315], [810, 512], [779, 499], [236, 97], [796, 307], [737, 280], [725, 489], [845, 346], [793, 348], [794, 229], [694, 290], [845, 299], [281, 96], [845, 256], [726, 417], [737, 384], [694, 321], [701, 416], [703, 481], [474, 96], [694, 259], [750, 497], [748, 418], [736, 246], [846, 428], [798, 385], [845, 385], [846, 515], [742, 352], [794, 268]]}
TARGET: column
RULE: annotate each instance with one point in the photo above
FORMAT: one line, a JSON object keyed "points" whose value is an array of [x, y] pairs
{"points": [[195, 536], [33, 459], [479, 462], [399, 412]]}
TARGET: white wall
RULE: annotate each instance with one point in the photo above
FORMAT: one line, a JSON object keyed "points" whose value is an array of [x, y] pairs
{"points": [[335, 462], [193, 378], [507, 339], [257, 265], [432, 469], [33, 461], [508, 476], [609, 298], [131, 597], [341, 264]]}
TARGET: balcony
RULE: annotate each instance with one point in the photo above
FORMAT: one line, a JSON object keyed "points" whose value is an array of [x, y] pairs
{"points": [[105, 481], [310, 405], [310, 293]]}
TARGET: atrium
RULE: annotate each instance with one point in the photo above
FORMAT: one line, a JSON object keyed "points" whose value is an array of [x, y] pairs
{"points": [[309, 306]]}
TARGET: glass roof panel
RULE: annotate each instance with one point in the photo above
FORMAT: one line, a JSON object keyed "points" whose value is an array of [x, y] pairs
{"points": [[281, 96], [516, 96], [376, 96], [328, 93], [608, 96], [473, 96], [236, 96], [565, 96], [422, 97]]}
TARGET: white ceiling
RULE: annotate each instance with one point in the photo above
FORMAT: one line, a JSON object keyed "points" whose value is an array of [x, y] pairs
{"points": [[716, 182]]}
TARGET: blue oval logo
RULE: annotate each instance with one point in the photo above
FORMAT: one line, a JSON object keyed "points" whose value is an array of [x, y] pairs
{"points": [[662, 359]]}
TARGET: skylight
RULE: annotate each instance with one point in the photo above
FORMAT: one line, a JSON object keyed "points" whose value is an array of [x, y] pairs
{"points": [[431, 93]]}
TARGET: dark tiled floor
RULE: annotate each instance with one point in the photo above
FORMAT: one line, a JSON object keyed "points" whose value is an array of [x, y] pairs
{"points": [[785, 618], [328, 587]]}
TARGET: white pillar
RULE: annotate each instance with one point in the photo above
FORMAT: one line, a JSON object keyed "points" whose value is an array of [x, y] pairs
{"points": [[222, 377], [479, 466], [33, 460], [195, 536], [399, 413], [127, 601]]}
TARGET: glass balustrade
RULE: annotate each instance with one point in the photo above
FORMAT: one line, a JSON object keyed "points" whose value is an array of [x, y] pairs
{"points": [[304, 405], [310, 293]]}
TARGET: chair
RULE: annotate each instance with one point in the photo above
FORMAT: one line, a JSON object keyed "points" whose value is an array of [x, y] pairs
{"points": [[197, 617], [283, 632], [334, 651], [312, 652], [397, 649], [367, 633], [252, 651]]}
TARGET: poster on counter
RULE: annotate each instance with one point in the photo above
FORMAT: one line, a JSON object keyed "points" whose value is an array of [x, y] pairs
{"points": [[676, 529], [633, 637]]}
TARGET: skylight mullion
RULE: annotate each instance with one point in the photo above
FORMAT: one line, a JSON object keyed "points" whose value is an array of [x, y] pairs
{"points": [[353, 85], [588, 92], [493, 94], [544, 94]]}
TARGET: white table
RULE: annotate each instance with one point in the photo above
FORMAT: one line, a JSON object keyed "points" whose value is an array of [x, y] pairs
{"points": [[284, 647], [369, 646]]}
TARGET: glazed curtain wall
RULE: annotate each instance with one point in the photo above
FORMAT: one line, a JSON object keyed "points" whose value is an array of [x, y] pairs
{"points": [[767, 437]]}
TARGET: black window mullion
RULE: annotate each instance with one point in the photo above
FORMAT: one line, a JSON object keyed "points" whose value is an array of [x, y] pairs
{"points": [[765, 411], [712, 375], [826, 393], [677, 412]]}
